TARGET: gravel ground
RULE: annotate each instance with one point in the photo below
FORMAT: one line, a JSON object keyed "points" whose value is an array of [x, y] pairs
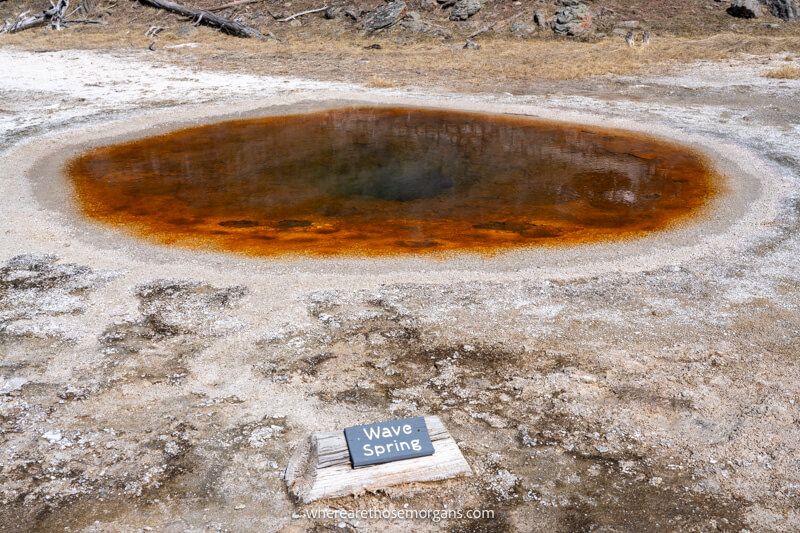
{"points": [[626, 386]]}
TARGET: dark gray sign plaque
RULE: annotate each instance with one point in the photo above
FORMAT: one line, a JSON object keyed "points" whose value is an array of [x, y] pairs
{"points": [[384, 442]]}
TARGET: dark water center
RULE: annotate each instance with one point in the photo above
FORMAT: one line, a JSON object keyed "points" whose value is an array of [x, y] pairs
{"points": [[387, 181]]}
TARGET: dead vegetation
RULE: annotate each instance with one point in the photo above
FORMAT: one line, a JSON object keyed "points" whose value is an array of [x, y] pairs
{"points": [[318, 42], [376, 82], [502, 60], [786, 72], [199, 16], [54, 16]]}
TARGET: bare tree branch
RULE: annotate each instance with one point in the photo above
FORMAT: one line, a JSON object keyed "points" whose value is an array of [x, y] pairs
{"points": [[292, 17], [54, 15]]}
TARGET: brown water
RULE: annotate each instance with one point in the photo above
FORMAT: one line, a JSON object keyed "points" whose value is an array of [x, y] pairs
{"points": [[389, 181]]}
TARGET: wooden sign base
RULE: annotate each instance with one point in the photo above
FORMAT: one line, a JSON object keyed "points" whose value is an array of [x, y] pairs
{"points": [[320, 468]]}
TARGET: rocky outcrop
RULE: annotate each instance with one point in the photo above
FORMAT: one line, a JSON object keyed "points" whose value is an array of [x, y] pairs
{"points": [[785, 9], [746, 9], [541, 20], [464, 9], [413, 23], [573, 18], [385, 16]]}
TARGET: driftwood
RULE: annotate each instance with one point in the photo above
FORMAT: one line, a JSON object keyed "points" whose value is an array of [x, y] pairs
{"points": [[308, 12], [320, 468], [153, 31], [54, 16], [207, 18], [234, 4]]}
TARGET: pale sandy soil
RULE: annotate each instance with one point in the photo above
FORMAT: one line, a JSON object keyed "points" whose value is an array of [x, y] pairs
{"points": [[628, 386]]}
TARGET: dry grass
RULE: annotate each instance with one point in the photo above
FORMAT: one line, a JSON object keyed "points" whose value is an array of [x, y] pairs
{"points": [[786, 72], [501, 64], [376, 82]]}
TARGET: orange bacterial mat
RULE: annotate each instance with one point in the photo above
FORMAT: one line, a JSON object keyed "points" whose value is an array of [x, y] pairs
{"points": [[387, 181]]}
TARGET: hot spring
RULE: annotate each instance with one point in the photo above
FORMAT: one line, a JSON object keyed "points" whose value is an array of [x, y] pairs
{"points": [[387, 181]]}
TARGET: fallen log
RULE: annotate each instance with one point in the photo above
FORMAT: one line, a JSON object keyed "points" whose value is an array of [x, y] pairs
{"points": [[232, 4], [207, 18], [54, 16]]}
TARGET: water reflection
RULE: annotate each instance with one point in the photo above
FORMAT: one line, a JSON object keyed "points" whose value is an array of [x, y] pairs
{"points": [[388, 180]]}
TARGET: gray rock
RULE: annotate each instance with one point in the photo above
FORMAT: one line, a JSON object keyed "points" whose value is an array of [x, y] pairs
{"points": [[785, 9], [416, 25], [464, 9], [353, 13], [521, 29], [333, 12], [471, 45], [541, 20], [573, 18], [746, 9], [385, 16]]}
